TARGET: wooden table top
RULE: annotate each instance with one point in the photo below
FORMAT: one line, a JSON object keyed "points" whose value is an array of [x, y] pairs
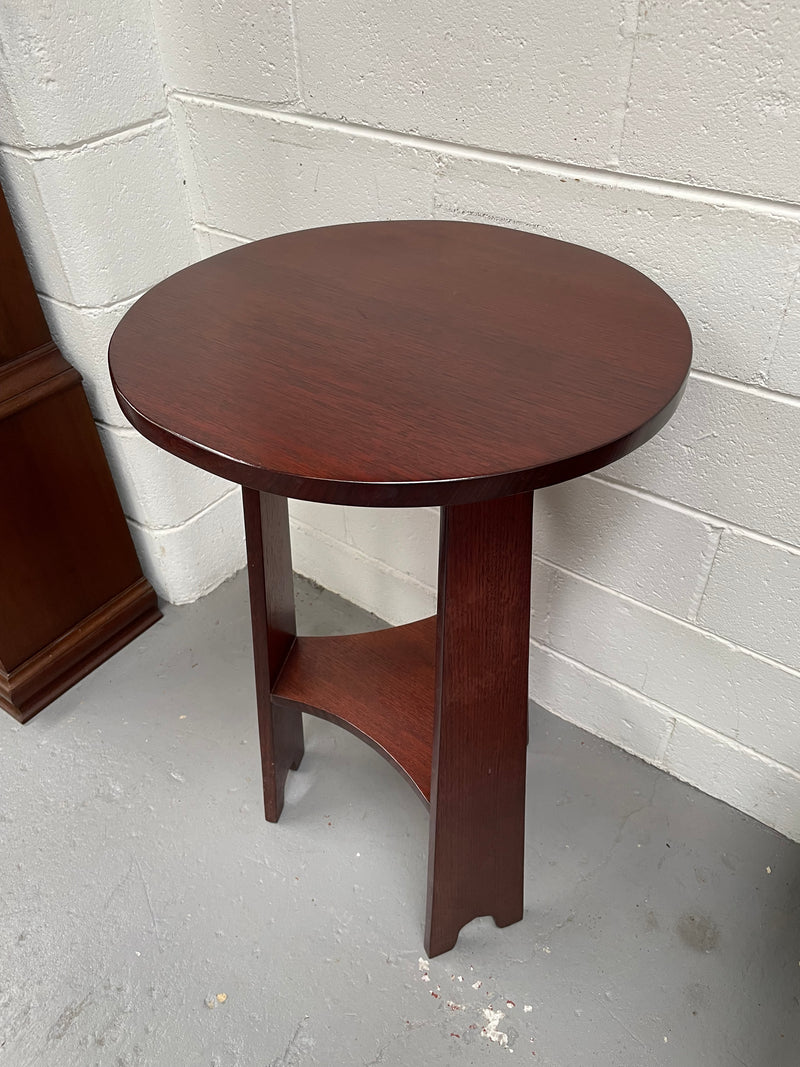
{"points": [[402, 363]]}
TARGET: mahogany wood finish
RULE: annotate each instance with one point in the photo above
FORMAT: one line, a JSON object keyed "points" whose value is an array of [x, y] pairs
{"points": [[378, 685], [402, 363], [71, 589], [477, 828], [407, 364], [269, 566]]}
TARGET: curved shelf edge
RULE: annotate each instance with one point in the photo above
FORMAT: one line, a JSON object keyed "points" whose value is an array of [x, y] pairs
{"points": [[378, 685]]}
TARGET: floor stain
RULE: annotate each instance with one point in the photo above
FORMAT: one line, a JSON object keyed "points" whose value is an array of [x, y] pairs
{"points": [[650, 921], [67, 1018], [698, 932]]}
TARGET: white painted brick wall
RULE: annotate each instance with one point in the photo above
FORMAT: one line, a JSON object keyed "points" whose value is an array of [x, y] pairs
{"points": [[82, 334], [370, 582], [537, 78], [383, 559], [639, 547], [783, 371], [103, 221], [74, 71], [724, 77], [258, 174], [753, 596], [156, 488], [600, 705], [666, 134], [743, 696], [242, 50], [187, 561], [730, 452]]}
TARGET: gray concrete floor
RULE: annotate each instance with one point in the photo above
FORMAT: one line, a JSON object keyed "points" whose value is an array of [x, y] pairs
{"points": [[149, 917]]}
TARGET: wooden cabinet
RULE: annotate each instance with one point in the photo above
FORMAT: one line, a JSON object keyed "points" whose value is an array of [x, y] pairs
{"points": [[71, 589]]}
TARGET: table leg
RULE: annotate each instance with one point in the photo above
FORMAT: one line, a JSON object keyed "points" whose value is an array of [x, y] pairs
{"points": [[477, 823], [269, 565]]}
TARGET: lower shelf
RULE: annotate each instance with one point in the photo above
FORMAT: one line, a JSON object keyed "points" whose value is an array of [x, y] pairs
{"points": [[379, 686]]}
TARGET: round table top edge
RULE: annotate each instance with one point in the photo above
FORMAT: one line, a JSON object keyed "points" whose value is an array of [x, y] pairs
{"points": [[434, 493]]}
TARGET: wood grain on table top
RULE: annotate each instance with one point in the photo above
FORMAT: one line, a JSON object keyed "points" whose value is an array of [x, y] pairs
{"points": [[402, 363]]}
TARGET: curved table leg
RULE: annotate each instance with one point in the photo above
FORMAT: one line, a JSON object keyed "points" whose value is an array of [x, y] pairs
{"points": [[477, 826], [269, 565]]}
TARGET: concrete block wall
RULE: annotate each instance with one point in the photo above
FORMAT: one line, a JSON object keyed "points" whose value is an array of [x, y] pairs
{"points": [[90, 166], [664, 133]]}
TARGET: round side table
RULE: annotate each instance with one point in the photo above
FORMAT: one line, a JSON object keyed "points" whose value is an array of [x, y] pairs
{"points": [[407, 364]]}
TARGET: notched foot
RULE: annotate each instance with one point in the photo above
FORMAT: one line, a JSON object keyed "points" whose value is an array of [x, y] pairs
{"points": [[508, 920], [435, 946]]}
